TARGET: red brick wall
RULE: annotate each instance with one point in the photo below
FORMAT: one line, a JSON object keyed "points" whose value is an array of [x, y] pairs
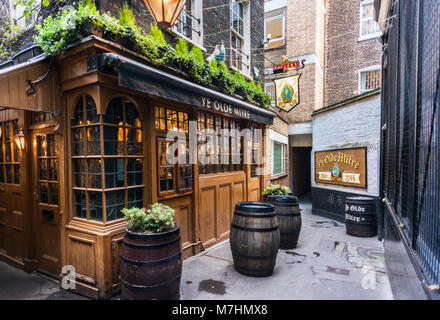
{"points": [[344, 54]]}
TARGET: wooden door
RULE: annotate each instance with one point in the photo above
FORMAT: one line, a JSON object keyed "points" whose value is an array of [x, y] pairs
{"points": [[45, 175]]}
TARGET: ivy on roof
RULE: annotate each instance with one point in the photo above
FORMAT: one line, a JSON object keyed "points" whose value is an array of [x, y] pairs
{"points": [[56, 32]]}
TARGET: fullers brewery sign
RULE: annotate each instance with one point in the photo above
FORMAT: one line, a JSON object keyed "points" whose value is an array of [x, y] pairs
{"points": [[345, 167], [223, 107]]}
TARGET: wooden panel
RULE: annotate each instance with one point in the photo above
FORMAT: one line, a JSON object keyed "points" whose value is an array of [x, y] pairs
{"points": [[13, 88], [81, 254], [218, 194], [238, 194], [183, 216], [224, 209], [3, 231], [116, 257], [207, 213]]}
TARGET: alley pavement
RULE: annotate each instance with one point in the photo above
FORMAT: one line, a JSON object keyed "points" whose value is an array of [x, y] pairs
{"points": [[327, 264]]}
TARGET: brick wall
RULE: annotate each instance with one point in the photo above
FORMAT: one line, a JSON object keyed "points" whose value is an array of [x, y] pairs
{"points": [[344, 54], [304, 36], [281, 127]]}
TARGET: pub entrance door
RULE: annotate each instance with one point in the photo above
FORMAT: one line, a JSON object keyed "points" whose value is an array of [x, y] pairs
{"points": [[45, 173]]}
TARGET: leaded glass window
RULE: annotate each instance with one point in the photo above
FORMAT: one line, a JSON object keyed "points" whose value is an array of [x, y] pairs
{"points": [[107, 159], [9, 153]]}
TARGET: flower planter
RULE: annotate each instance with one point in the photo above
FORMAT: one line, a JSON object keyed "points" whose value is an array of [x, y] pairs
{"points": [[90, 28], [151, 265]]}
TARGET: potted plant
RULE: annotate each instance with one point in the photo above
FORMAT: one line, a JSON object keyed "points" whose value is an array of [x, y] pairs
{"points": [[128, 36], [151, 259], [88, 19], [276, 190], [288, 213]]}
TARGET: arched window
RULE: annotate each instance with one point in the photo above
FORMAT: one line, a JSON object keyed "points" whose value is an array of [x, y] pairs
{"points": [[107, 159]]}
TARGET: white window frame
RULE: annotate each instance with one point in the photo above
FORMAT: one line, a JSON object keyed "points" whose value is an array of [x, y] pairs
{"points": [[283, 37], [270, 84], [197, 12], [245, 39], [17, 17], [371, 35], [278, 138], [360, 71]]}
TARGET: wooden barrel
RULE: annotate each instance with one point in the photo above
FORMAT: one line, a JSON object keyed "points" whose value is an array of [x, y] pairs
{"points": [[360, 216], [289, 219], [151, 265], [254, 238]]}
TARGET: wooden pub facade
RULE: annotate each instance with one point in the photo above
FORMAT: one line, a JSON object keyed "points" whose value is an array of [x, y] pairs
{"points": [[94, 122]]}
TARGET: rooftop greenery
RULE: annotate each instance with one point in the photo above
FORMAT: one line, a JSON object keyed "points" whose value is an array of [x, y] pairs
{"points": [[56, 32]]}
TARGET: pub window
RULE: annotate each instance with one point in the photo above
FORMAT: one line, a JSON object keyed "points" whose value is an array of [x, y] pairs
{"points": [[107, 159], [38, 117], [256, 154], [279, 158], [172, 178], [9, 153], [214, 125]]}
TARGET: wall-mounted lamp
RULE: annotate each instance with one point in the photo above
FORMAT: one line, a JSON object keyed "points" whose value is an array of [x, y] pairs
{"points": [[268, 37], [165, 12], [19, 139]]}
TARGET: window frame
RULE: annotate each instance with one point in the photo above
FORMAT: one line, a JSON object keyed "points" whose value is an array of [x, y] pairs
{"points": [[244, 52], [102, 157], [16, 13], [196, 25], [161, 136], [283, 158], [371, 35], [283, 37], [232, 124], [364, 70], [13, 162], [270, 84]]}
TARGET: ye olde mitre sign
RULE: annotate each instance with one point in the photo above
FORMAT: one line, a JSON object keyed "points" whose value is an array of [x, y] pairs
{"points": [[347, 167], [287, 89]]}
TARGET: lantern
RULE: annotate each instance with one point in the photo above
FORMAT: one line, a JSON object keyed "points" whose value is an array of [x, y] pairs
{"points": [[19, 139], [165, 12]]}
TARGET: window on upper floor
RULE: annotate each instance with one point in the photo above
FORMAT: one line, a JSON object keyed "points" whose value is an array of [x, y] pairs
{"points": [[18, 17], [240, 36], [274, 25], [189, 24], [369, 79], [368, 27]]}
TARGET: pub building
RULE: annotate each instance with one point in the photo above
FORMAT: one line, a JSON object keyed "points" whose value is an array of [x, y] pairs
{"points": [[90, 130]]}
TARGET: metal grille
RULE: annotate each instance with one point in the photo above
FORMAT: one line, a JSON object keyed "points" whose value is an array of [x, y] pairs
{"points": [[411, 169]]}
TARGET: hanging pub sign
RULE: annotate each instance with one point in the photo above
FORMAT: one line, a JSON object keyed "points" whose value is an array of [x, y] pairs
{"points": [[346, 167], [287, 92]]}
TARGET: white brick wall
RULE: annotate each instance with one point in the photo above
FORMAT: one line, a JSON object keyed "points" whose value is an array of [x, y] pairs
{"points": [[350, 126]]}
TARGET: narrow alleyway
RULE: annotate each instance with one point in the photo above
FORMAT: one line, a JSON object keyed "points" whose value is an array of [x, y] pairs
{"points": [[327, 264]]}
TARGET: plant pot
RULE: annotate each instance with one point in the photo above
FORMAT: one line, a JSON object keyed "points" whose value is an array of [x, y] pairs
{"points": [[90, 28], [151, 265]]}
